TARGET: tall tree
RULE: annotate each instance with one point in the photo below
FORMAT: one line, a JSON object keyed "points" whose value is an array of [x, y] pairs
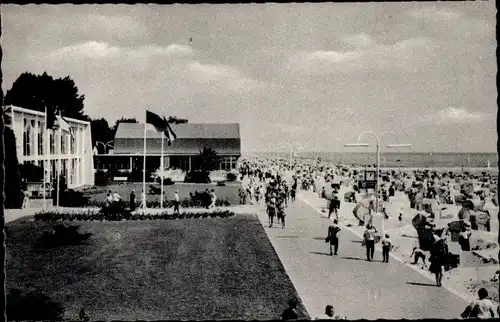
{"points": [[101, 132], [208, 159], [37, 91], [176, 120], [122, 120], [11, 179]]}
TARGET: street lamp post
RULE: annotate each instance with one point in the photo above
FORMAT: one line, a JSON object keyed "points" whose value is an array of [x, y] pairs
{"points": [[357, 144], [107, 144]]}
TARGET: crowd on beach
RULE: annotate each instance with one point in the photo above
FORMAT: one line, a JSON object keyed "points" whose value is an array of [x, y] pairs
{"points": [[431, 196]]}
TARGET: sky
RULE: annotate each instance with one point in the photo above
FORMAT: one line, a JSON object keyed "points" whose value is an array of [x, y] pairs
{"points": [[309, 75]]}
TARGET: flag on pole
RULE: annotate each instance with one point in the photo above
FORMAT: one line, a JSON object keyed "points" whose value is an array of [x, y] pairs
{"points": [[169, 133], [159, 123], [64, 126]]}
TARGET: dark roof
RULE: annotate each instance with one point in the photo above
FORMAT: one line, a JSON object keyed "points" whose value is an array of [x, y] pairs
{"points": [[183, 131]]}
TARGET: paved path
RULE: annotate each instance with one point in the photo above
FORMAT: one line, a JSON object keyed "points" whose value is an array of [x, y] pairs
{"points": [[356, 288]]}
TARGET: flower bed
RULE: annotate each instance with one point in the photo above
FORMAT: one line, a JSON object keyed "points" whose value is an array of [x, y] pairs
{"points": [[185, 203], [86, 215]]}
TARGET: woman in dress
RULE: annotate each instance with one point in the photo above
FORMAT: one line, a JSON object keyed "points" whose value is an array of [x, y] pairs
{"points": [[439, 253]]}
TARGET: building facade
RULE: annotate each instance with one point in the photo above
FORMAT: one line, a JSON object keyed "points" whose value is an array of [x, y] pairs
{"points": [[128, 152], [39, 146]]}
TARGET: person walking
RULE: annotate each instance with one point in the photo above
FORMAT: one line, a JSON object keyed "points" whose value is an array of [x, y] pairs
{"points": [[116, 198], [213, 199], [176, 202], [280, 208], [483, 308], [333, 237], [143, 201], [439, 253], [386, 248], [369, 241], [109, 199], [271, 209], [464, 238], [291, 312], [26, 198], [132, 200]]}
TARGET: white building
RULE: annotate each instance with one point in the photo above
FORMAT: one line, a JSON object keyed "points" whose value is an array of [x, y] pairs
{"points": [[77, 163]]}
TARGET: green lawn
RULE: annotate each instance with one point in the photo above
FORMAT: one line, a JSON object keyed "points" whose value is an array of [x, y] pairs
{"points": [[228, 192], [151, 270]]}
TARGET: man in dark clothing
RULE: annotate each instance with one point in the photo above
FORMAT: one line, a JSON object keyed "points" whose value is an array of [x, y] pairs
{"points": [[132, 201], [333, 237]]}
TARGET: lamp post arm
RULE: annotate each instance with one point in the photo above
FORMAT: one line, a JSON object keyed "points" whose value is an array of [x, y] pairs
{"points": [[372, 133], [393, 133]]}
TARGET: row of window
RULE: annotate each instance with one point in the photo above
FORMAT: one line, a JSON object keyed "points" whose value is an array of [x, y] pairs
{"points": [[228, 163], [71, 169], [33, 138]]}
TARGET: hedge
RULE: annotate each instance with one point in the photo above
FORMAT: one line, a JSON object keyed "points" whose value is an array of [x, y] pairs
{"points": [[100, 216]]}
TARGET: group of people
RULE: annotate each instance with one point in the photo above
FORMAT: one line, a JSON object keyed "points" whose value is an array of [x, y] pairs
{"points": [[113, 199], [276, 198]]}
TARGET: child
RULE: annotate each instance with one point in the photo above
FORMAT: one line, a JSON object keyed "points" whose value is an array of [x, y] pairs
{"points": [[418, 253], [386, 248]]}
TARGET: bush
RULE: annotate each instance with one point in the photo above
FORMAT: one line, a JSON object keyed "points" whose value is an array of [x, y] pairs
{"points": [[101, 178], [33, 306], [166, 181], [62, 235], [197, 176], [136, 176], [117, 211], [72, 198], [31, 172], [230, 176]]}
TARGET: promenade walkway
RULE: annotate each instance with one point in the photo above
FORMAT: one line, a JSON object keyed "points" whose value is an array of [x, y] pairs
{"points": [[356, 288]]}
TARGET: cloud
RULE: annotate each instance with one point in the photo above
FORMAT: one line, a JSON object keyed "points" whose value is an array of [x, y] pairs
{"points": [[433, 13], [94, 50], [409, 54], [221, 74], [454, 115], [359, 40]]}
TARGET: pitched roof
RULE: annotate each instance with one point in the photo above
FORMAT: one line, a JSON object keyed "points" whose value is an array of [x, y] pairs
{"points": [[183, 131]]}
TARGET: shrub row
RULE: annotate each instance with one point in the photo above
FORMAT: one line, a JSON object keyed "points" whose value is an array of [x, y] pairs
{"points": [[185, 203], [56, 216]]}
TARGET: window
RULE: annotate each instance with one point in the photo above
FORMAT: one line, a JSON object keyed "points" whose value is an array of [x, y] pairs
{"points": [[52, 142], [40, 138], [64, 143], [26, 136], [225, 163], [72, 141], [33, 137]]}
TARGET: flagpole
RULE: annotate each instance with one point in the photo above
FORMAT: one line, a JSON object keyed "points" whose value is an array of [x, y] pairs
{"points": [[44, 161], [144, 172], [59, 139], [161, 172]]}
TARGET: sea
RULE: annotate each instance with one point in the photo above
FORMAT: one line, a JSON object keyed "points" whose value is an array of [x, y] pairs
{"points": [[409, 160]]}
